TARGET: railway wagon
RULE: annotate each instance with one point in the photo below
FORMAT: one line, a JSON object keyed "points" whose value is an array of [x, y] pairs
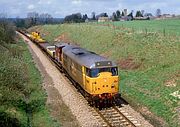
{"points": [[35, 36], [96, 75], [45, 46]]}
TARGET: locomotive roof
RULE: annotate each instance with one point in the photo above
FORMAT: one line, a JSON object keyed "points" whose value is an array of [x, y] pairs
{"points": [[44, 45], [86, 58]]}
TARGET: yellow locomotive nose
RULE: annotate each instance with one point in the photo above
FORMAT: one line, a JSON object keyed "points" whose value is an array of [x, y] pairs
{"points": [[105, 83]]}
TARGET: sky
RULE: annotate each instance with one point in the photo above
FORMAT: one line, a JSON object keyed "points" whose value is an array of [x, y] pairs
{"points": [[61, 8]]}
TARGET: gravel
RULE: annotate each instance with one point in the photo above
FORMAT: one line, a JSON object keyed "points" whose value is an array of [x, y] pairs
{"points": [[69, 94], [137, 116], [74, 100]]}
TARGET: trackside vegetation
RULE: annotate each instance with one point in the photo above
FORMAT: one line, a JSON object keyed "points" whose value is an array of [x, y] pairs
{"points": [[22, 98], [148, 62]]}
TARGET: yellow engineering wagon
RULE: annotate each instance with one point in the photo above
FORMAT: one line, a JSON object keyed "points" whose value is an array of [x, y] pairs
{"points": [[35, 36]]}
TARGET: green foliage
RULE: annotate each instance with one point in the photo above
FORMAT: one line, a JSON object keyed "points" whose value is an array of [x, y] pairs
{"points": [[122, 13], [139, 14], [118, 13], [21, 94], [13, 79], [76, 18], [12, 117], [42, 119], [36, 95], [157, 56], [7, 32]]}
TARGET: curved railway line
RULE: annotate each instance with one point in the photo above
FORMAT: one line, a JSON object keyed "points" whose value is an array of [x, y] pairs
{"points": [[113, 116]]}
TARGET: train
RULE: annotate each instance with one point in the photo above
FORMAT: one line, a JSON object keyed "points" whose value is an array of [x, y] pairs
{"points": [[35, 36], [95, 76]]}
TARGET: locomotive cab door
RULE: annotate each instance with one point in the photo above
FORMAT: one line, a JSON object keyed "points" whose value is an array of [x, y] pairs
{"points": [[58, 51]]}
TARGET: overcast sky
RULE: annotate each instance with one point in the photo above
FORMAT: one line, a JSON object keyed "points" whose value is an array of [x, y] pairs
{"points": [[61, 8]]}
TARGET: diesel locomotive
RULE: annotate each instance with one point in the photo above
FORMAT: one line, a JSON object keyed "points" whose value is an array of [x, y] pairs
{"points": [[96, 77]]}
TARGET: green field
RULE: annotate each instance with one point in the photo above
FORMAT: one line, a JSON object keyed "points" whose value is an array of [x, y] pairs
{"points": [[161, 26], [149, 63]]}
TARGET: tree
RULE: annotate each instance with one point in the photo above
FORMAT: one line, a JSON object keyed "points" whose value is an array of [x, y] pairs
{"points": [[138, 14], [19, 22], [34, 18], [131, 15], [158, 12], [77, 18], [148, 15], [85, 17], [118, 14], [93, 16], [114, 16], [142, 12], [3, 16], [7, 30], [105, 15], [122, 13]]}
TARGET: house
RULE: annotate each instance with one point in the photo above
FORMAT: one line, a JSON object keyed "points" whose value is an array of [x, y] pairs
{"points": [[87, 20], [103, 19], [166, 16], [126, 18], [141, 18]]}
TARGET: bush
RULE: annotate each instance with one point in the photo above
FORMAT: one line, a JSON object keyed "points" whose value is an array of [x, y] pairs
{"points": [[21, 95]]}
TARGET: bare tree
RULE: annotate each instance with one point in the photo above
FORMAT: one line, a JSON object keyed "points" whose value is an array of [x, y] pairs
{"points": [[142, 12], [7, 30], [158, 12], [93, 16], [33, 18]]}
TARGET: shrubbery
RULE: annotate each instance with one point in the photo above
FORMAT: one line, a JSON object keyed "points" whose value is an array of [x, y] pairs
{"points": [[21, 95], [13, 79]]}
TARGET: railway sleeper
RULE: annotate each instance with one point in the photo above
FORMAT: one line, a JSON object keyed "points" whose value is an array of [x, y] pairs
{"points": [[115, 116], [134, 121], [138, 124]]}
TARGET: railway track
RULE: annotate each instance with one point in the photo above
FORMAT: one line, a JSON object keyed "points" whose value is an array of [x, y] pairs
{"points": [[115, 117], [107, 117]]}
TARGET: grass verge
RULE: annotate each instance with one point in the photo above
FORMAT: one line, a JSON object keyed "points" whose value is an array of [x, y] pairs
{"points": [[149, 64], [37, 99], [22, 98]]}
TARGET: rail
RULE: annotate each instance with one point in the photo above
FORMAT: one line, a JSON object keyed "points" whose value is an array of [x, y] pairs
{"points": [[113, 117]]}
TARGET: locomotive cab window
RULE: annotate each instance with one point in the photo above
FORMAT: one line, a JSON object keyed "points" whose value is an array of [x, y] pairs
{"points": [[96, 71], [114, 71]]}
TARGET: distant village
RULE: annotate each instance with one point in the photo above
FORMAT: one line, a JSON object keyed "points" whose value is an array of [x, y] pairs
{"points": [[140, 15], [119, 16], [34, 18]]}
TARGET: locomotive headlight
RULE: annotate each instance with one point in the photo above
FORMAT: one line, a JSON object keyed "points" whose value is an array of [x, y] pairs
{"points": [[112, 86]]}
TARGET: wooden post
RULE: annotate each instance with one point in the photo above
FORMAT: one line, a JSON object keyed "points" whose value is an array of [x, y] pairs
{"points": [[164, 32]]}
